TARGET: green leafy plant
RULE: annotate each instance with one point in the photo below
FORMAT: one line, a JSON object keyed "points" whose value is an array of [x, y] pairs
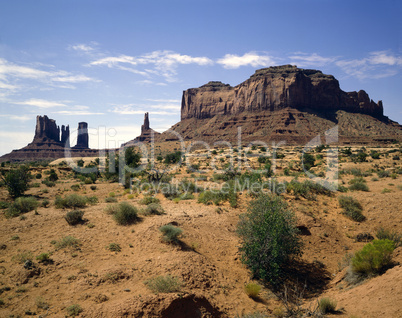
{"points": [[252, 290], [351, 208], [164, 284], [269, 237], [358, 184], [16, 181], [373, 258], [171, 233], [44, 258]]}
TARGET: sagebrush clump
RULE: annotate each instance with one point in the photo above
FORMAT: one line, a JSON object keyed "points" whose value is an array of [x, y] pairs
{"points": [[171, 233], [21, 205], [74, 217], [126, 214], [164, 284], [351, 208]]}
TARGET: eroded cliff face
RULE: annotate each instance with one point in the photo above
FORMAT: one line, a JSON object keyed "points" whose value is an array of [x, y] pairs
{"points": [[273, 89]]}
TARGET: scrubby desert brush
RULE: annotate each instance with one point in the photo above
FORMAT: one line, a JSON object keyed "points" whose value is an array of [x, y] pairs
{"points": [[171, 233], [126, 214], [74, 217], [164, 284], [351, 208]]}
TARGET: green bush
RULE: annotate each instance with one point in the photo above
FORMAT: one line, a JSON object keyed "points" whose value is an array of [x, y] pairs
{"points": [[67, 241], [148, 200], [307, 160], [74, 310], [351, 208], [48, 183], [114, 247], [153, 208], [74, 217], [373, 259], [44, 258], [252, 290], [110, 200], [126, 214], [75, 187], [4, 204], [111, 208], [358, 184], [385, 234], [16, 181], [383, 173], [171, 233], [164, 284], [326, 305], [71, 201], [21, 205], [269, 237], [92, 200]]}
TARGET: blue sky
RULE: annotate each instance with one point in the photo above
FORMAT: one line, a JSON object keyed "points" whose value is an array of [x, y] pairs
{"points": [[107, 62]]}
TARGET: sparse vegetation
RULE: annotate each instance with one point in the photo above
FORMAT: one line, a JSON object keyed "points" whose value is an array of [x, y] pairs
{"points": [[44, 258], [358, 184], [164, 284], [326, 305], [67, 241], [16, 181], [21, 205], [351, 208], [74, 310], [23, 257], [74, 217], [171, 233], [126, 214], [154, 209], [386, 234], [114, 247], [71, 201]]}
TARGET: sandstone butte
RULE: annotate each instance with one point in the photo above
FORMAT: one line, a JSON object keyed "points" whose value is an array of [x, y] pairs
{"points": [[279, 103], [282, 103]]}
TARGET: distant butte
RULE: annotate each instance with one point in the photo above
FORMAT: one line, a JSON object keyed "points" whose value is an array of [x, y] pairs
{"points": [[48, 144]]}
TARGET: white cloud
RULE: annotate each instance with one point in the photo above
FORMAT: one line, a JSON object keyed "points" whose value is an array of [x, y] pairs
{"points": [[41, 103], [76, 113], [14, 140], [230, 61], [74, 79], [164, 63], [307, 59], [164, 100], [377, 65], [16, 117], [83, 47], [133, 110]]}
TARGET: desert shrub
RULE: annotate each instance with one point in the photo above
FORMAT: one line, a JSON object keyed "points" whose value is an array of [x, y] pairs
{"points": [[386, 190], [35, 185], [173, 157], [187, 196], [358, 184], [21, 205], [70, 201], [326, 305], [306, 189], [43, 258], [41, 303], [171, 233], [53, 175], [4, 204], [154, 208], [359, 157], [114, 247], [373, 258], [269, 237], [22, 257], [48, 183], [126, 214], [375, 155], [170, 191], [74, 310], [93, 187], [92, 200], [74, 217], [38, 176], [148, 200], [75, 187], [110, 200], [383, 173], [16, 181], [111, 208], [67, 241], [164, 284], [252, 290], [351, 208], [307, 160], [385, 234], [45, 203]]}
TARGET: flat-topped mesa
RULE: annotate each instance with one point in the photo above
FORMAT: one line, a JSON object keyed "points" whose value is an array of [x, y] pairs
{"points": [[276, 88], [82, 138], [46, 130]]}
